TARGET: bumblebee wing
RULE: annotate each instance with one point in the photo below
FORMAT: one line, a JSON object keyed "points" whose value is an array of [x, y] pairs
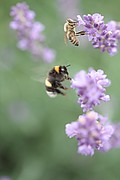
{"points": [[65, 38], [39, 73], [39, 79]]}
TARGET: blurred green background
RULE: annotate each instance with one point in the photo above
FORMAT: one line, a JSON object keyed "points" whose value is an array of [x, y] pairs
{"points": [[33, 143]]}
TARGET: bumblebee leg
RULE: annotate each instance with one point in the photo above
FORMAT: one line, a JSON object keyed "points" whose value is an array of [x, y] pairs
{"points": [[61, 86], [68, 78], [59, 92]]}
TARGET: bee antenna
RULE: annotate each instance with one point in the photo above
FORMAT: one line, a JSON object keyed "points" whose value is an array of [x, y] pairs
{"points": [[68, 65]]}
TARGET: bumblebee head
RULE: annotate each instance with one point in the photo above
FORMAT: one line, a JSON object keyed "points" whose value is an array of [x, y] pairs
{"points": [[62, 70]]}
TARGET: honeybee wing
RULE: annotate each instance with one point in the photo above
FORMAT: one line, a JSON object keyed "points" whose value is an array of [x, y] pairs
{"points": [[65, 38], [65, 32]]}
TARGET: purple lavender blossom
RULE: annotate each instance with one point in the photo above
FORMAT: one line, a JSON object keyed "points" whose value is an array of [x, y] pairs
{"points": [[90, 132], [30, 32], [90, 88], [48, 54], [100, 34], [115, 28], [114, 141]]}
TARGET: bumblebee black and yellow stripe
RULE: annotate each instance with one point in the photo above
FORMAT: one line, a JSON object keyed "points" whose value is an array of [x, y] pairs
{"points": [[57, 69], [47, 83]]}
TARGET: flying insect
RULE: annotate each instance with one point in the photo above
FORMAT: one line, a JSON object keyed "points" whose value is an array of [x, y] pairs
{"points": [[70, 32], [53, 82]]}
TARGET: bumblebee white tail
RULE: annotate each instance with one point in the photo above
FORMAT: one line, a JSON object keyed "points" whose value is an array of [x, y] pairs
{"points": [[51, 94]]}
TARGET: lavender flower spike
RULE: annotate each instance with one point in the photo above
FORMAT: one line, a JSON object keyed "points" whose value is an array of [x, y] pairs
{"points": [[99, 33], [30, 32], [90, 131], [114, 141], [90, 88]]}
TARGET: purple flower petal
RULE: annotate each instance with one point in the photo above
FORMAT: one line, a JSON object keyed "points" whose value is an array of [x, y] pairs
{"points": [[91, 132], [90, 88], [30, 32]]}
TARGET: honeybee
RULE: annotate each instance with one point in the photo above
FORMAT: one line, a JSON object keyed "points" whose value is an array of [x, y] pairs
{"points": [[53, 82], [70, 32]]}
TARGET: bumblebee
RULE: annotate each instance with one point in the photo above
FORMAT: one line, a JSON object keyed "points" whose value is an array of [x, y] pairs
{"points": [[53, 82], [70, 32]]}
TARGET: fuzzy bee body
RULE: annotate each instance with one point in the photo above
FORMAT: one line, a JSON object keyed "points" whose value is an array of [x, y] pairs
{"points": [[70, 32], [53, 82]]}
